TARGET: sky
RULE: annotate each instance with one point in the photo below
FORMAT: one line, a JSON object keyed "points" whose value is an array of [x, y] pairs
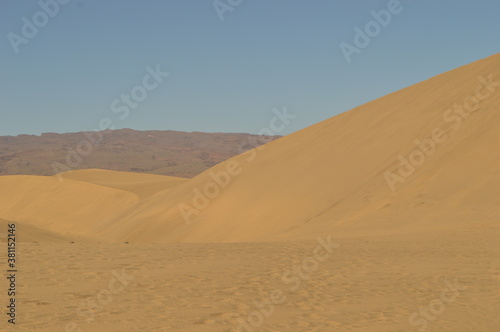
{"points": [[222, 66]]}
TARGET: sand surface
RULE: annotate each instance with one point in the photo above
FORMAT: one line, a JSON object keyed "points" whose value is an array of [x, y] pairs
{"points": [[364, 284]]}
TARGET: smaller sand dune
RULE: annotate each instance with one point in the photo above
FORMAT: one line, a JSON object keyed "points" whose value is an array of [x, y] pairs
{"points": [[66, 207]]}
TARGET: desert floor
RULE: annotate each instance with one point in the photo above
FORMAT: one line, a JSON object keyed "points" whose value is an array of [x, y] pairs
{"points": [[366, 284]]}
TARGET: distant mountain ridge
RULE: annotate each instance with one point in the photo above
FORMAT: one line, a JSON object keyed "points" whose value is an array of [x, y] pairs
{"points": [[173, 153]]}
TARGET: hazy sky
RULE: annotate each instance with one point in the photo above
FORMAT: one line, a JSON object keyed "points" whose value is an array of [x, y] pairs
{"points": [[224, 76]]}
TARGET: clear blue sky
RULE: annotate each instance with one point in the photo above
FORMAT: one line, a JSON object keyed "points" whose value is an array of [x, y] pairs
{"points": [[225, 76]]}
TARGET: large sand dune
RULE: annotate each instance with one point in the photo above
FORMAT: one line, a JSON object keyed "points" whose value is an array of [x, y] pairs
{"points": [[331, 177]]}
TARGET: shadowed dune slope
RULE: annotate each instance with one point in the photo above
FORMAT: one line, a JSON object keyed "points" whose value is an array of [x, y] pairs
{"points": [[30, 233], [143, 185], [332, 177], [421, 159]]}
